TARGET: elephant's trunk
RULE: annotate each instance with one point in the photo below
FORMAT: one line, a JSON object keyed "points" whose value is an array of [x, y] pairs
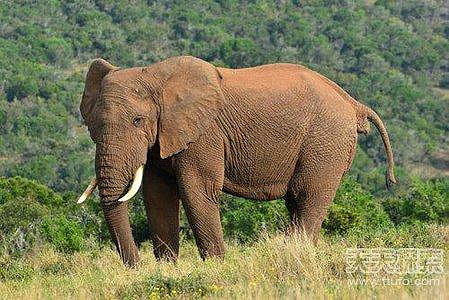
{"points": [[114, 176], [117, 219], [114, 172], [116, 214]]}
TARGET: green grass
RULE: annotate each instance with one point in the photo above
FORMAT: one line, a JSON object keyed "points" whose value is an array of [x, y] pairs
{"points": [[272, 267], [52, 248]]}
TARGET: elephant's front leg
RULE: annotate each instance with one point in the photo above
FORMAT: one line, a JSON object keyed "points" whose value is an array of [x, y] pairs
{"points": [[162, 204], [200, 172], [203, 214]]}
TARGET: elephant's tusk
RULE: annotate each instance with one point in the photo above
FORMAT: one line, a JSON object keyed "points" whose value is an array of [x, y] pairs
{"points": [[90, 188], [137, 182]]}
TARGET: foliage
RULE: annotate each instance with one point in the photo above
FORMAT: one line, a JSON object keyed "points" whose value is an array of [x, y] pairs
{"points": [[16, 187], [19, 227], [32, 215], [387, 54], [354, 209], [246, 220], [424, 201], [65, 235]]}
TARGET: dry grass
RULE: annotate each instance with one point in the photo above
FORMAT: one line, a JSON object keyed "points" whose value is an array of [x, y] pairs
{"points": [[274, 267]]}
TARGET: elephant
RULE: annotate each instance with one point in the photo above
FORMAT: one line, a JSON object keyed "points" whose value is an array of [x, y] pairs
{"points": [[187, 131]]}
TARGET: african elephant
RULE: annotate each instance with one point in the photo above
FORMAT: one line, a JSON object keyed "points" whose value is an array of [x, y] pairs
{"points": [[190, 130]]}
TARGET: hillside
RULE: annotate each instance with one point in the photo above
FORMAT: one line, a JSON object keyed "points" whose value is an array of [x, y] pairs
{"points": [[388, 55]]}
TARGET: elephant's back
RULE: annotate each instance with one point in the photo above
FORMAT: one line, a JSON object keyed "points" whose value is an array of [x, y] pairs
{"points": [[265, 77]]}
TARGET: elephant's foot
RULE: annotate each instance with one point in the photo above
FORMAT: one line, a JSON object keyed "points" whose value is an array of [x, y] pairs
{"points": [[130, 258], [212, 249], [163, 252]]}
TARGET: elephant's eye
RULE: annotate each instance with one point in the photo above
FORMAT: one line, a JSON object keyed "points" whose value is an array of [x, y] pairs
{"points": [[137, 121]]}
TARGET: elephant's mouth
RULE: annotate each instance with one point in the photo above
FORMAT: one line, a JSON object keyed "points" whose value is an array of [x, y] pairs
{"points": [[136, 183]]}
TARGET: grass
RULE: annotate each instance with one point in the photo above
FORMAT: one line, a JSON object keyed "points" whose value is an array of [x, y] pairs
{"points": [[272, 267]]}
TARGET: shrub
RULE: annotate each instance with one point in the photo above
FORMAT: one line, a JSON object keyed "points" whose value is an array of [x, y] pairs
{"points": [[19, 222], [244, 220], [32, 214], [65, 235], [423, 201], [18, 187], [138, 219], [354, 209], [444, 82]]}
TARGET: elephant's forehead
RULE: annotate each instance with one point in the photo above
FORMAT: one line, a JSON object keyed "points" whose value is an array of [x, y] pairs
{"points": [[122, 87], [125, 76], [120, 91], [111, 89], [119, 98]]}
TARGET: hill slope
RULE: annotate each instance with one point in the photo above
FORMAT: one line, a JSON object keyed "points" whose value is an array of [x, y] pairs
{"points": [[387, 55]]}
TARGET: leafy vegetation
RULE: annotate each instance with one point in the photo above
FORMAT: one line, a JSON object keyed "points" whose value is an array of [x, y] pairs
{"points": [[37, 216], [425, 201], [33, 215], [388, 54], [391, 55]]}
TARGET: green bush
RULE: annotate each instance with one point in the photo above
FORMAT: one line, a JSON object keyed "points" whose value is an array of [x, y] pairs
{"points": [[419, 235], [18, 187], [65, 235], [138, 219], [444, 83], [244, 219], [32, 215], [423, 201], [19, 225], [354, 209]]}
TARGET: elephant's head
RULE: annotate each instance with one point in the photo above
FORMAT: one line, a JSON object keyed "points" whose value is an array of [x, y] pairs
{"points": [[128, 111]]}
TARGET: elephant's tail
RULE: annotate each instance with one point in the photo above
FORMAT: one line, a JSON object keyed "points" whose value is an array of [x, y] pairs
{"points": [[375, 119]]}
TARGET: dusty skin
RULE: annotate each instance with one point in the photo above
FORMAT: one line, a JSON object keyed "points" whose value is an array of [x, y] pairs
{"points": [[266, 132]]}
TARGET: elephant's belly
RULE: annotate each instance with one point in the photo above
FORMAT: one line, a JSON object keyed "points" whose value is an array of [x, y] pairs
{"points": [[263, 127], [260, 162], [261, 192], [259, 170]]}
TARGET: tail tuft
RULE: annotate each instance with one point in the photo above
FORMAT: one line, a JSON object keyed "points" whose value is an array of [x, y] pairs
{"points": [[390, 179]]}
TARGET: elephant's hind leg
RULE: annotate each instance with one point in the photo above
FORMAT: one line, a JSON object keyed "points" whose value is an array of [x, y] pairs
{"points": [[314, 184], [162, 205]]}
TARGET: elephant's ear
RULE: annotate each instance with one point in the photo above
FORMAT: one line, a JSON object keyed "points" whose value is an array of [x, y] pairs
{"points": [[191, 100], [98, 69]]}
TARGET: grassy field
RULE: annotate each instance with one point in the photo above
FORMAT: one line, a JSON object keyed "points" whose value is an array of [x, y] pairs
{"points": [[273, 267]]}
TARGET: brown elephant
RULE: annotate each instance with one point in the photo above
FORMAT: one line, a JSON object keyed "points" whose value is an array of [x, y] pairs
{"points": [[191, 130]]}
